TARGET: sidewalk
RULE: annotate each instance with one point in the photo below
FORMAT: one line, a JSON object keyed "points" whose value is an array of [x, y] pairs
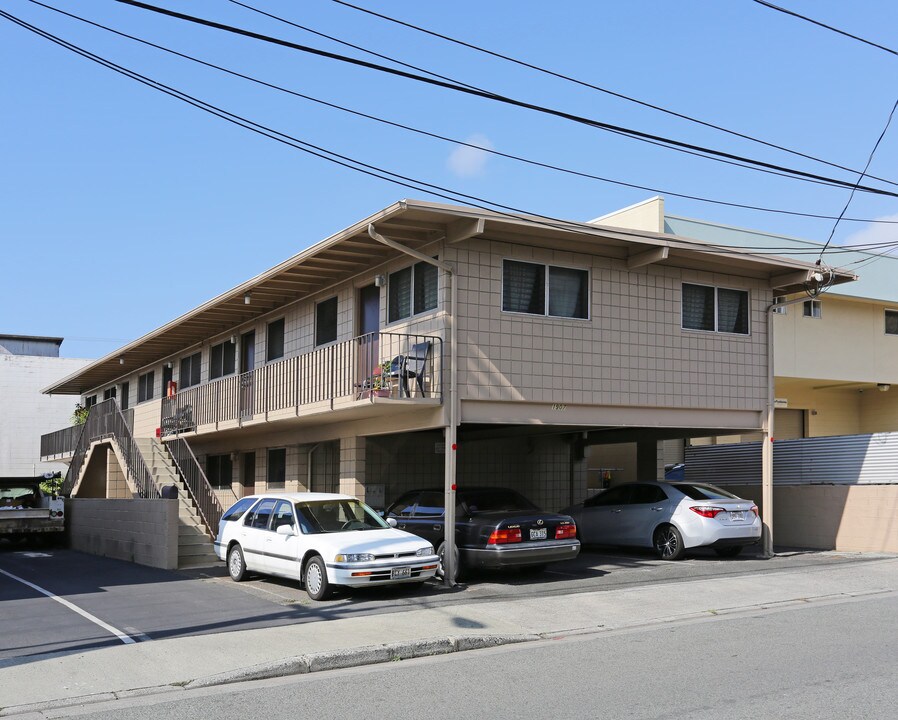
{"points": [[174, 664]]}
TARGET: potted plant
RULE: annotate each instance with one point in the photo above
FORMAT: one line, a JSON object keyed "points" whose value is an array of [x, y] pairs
{"points": [[380, 384]]}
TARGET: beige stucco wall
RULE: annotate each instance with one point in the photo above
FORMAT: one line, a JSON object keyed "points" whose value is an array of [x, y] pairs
{"points": [[855, 518], [141, 531], [146, 418], [847, 343]]}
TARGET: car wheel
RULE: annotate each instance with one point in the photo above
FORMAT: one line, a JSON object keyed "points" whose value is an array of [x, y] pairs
{"points": [[668, 543], [728, 552], [441, 551], [315, 581], [236, 564]]}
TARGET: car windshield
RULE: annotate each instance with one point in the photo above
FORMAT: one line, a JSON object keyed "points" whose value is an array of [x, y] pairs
{"points": [[329, 516], [704, 492], [18, 496], [496, 500]]}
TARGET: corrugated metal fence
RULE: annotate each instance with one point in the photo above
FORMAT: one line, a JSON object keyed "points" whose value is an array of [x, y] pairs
{"points": [[837, 460]]}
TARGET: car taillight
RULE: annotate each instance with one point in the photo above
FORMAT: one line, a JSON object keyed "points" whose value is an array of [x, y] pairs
{"points": [[708, 511], [754, 509], [563, 532], [503, 536]]}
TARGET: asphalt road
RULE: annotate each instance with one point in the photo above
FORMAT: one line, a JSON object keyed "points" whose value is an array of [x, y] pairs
{"points": [[108, 602], [811, 662]]}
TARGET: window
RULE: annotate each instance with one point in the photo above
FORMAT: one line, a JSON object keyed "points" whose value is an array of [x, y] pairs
{"points": [[258, 518], [891, 322], [90, 401], [412, 291], [190, 370], [715, 309], [145, 386], [283, 515], [167, 377], [777, 301], [126, 395], [223, 359], [109, 393], [812, 309], [238, 509], [219, 471], [326, 321], [277, 468], [275, 345], [545, 290]]}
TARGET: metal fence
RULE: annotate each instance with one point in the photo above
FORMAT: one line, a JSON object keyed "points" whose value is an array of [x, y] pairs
{"points": [[106, 422], [198, 485], [381, 364], [870, 459], [64, 442]]}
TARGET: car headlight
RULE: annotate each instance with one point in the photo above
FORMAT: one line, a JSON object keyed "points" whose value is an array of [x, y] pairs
{"points": [[425, 551], [354, 557]]}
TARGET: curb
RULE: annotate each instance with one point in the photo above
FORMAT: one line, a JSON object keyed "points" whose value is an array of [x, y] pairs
{"points": [[297, 665]]}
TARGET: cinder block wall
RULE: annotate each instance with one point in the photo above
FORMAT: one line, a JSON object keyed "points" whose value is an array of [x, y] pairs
{"points": [[851, 518], [141, 531]]}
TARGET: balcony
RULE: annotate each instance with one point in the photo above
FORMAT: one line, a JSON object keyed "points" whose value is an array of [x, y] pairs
{"points": [[386, 370]]}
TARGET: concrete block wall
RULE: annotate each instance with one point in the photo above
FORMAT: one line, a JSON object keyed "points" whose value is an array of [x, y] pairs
{"points": [[849, 518], [141, 531]]}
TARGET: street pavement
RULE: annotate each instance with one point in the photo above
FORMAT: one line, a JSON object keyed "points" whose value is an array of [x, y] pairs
{"points": [[427, 623]]}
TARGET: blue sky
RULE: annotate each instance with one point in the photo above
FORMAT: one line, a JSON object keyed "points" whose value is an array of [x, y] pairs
{"points": [[121, 208]]}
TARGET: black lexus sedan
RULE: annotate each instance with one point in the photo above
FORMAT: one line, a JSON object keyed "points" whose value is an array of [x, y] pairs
{"points": [[494, 527]]}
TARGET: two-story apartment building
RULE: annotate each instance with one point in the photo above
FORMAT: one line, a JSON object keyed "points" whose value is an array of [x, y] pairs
{"points": [[334, 370]]}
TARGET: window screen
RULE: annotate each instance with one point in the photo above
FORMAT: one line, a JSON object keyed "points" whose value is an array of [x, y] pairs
{"points": [[568, 292], [145, 386], [326, 321], [275, 345], [523, 287], [190, 370], [223, 359], [698, 307], [400, 295], [732, 311], [425, 287]]}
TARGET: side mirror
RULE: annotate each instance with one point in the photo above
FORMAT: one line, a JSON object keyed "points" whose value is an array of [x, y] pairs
{"points": [[286, 530], [392, 522]]}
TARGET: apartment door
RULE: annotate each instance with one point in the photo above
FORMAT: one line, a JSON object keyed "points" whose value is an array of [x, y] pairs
{"points": [[247, 377], [369, 337]]}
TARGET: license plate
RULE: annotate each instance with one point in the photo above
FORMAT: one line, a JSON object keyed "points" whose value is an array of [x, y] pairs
{"points": [[737, 516], [538, 534], [400, 572]]}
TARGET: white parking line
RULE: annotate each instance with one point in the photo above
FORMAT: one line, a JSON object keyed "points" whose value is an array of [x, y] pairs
{"points": [[83, 613]]}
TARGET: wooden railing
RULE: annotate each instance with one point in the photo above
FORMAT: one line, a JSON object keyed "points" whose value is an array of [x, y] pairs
{"points": [[353, 369]]}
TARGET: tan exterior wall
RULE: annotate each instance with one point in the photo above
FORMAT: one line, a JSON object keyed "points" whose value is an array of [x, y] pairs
{"points": [[146, 418], [850, 518], [847, 343], [141, 531]]}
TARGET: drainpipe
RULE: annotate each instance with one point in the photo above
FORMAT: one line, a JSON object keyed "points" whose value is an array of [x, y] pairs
{"points": [[451, 432], [309, 466], [767, 447]]}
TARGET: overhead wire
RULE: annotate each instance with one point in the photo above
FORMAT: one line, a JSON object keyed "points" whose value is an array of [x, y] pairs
{"points": [[794, 14], [511, 212], [709, 153], [576, 81], [444, 138]]}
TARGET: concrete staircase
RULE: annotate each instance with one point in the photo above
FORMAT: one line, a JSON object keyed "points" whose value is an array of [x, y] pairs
{"points": [[194, 542]]}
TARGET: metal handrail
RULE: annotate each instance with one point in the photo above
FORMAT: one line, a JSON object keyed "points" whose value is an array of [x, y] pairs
{"points": [[64, 441], [348, 369], [106, 421], [207, 503]]}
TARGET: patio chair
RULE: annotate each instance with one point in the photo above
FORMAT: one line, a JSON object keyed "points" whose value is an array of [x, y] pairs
{"points": [[411, 365]]}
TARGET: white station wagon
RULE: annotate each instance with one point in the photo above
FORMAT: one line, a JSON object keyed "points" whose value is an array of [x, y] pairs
{"points": [[320, 539]]}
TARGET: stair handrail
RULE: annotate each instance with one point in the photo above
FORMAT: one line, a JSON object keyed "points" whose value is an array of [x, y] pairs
{"points": [[106, 421], [207, 503]]}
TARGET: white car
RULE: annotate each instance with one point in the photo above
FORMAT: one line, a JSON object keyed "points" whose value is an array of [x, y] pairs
{"points": [[669, 517], [320, 539]]}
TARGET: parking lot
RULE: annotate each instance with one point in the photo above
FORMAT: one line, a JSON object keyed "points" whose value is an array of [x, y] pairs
{"points": [[62, 601]]}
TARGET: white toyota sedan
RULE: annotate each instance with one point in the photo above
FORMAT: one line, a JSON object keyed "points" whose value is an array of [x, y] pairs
{"points": [[320, 539], [669, 517]]}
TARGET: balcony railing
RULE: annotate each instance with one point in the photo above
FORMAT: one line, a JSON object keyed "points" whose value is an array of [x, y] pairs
{"points": [[389, 365], [63, 442]]}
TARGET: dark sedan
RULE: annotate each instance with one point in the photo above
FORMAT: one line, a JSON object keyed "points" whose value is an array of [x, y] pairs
{"points": [[494, 527]]}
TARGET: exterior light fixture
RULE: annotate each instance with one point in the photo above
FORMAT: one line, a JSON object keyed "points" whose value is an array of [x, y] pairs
{"points": [[233, 339], [121, 361], [168, 366], [883, 387], [246, 298], [379, 281]]}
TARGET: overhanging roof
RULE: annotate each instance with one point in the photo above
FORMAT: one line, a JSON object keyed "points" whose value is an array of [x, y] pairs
{"points": [[351, 252]]}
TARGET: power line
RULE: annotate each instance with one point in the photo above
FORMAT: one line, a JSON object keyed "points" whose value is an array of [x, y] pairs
{"points": [[869, 160], [449, 139], [577, 81], [636, 134], [794, 14], [358, 166]]}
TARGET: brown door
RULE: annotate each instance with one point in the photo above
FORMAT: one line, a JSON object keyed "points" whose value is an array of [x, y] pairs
{"points": [[369, 336]]}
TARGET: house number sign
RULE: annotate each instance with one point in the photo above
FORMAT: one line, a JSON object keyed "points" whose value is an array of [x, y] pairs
{"points": [[559, 406]]}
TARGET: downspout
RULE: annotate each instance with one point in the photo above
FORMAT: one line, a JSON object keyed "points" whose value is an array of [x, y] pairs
{"points": [[767, 447], [309, 466], [449, 568]]}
